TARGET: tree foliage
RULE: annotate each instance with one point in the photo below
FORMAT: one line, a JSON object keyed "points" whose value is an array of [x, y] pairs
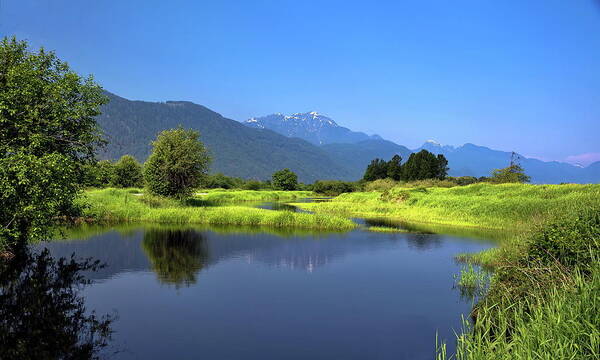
{"points": [[419, 166], [42, 313], [333, 187], [47, 133], [178, 163], [284, 180], [377, 169], [127, 172], [511, 174]]}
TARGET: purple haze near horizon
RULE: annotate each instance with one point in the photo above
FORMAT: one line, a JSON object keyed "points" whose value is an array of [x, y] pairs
{"points": [[509, 75]]}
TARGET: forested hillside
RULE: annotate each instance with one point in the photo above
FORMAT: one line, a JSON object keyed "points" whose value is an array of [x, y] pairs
{"points": [[237, 150]]}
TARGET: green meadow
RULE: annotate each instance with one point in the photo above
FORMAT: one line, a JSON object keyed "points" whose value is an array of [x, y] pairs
{"points": [[503, 206], [123, 206]]}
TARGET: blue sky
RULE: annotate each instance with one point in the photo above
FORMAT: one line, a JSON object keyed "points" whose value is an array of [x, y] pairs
{"points": [[511, 75]]}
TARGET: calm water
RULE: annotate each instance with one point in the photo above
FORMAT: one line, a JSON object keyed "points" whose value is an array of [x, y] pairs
{"points": [[185, 293]]}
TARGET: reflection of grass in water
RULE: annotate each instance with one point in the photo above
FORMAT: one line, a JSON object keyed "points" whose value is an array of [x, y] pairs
{"points": [[115, 205], [176, 255], [85, 231], [385, 229]]}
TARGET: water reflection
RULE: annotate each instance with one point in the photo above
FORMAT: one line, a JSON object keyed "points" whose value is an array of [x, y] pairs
{"points": [[42, 315], [176, 256], [352, 295]]}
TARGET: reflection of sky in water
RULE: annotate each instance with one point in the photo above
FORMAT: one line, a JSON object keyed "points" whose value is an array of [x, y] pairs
{"points": [[253, 295]]}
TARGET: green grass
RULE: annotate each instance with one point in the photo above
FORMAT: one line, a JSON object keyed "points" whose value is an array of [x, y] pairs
{"points": [[385, 229], [221, 195], [119, 206], [563, 323], [543, 300], [506, 206]]}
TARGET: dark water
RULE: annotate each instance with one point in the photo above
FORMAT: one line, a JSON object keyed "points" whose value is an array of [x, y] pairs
{"points": [[184, 293]]}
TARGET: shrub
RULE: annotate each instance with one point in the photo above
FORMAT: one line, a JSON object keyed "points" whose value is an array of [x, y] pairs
{"points": [[380, 185], [253, 185], [127, 172], [333, 187]]}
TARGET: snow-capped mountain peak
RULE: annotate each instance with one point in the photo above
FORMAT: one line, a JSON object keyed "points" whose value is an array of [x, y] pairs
{"points": [[311, 126]]}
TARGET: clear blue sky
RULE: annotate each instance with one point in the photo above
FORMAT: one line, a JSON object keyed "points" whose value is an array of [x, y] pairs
{"points": [[511, 75]]}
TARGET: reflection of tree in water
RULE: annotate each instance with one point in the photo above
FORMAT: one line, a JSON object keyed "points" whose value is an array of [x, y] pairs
{"points": [[423, 241], [42, 315], [176, 255]]}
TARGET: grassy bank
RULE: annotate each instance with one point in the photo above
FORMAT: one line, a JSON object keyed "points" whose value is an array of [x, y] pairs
{"points": [[506, 206], [543, 301], [119, 206], [223, 196]]}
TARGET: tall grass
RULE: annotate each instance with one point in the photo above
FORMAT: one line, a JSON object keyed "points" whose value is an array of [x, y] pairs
{"points": [[563, 323], [117, 206], [543, 302], [222, 196], [506, 206]]}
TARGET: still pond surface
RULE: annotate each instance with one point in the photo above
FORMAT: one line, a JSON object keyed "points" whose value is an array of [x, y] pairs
{"points": [[212, 293]]}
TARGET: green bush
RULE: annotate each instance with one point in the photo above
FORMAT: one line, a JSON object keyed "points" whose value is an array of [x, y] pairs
{"points": [[380, 185], [253, 185], [333, 187], [127, 172], [569, 241]]}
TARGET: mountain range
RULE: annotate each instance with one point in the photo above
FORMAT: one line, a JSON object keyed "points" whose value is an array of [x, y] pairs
{"points": [[311, 126], [312, 145]]}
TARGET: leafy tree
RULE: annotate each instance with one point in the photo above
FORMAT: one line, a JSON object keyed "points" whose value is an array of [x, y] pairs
{"points": [[99, 174], [511, 174], [285, 180], [377, 169], [394, 168], [177, 164], [48, 132], [127, 172]]}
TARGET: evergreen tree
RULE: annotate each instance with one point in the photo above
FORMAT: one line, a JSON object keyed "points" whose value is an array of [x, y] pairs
{"points": [[394, 168], [377, 169]]}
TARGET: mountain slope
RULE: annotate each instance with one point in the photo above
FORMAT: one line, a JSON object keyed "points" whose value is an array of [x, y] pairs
{"points": [[311, 126], [237, 150]]}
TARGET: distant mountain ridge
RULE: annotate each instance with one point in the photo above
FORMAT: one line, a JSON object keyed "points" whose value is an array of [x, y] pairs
{"points": [[473, 160], [310, 126], [310, 144]]}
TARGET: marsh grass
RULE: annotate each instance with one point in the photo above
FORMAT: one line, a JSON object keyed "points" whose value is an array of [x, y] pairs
{"points": [[560, 323], [224, 196], [119, 206], [385, 229], [512, 207]]}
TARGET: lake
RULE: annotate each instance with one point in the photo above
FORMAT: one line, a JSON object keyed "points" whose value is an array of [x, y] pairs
{"points": [[233, 293]]}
